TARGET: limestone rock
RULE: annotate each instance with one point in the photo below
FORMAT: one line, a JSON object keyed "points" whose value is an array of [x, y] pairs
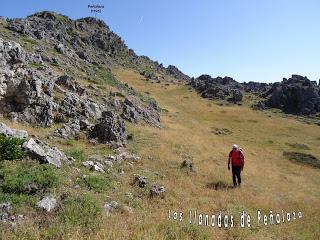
{"points": [[47, 203]]}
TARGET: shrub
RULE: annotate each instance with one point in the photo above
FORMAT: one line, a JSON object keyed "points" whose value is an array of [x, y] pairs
{"points": [[27, 179], [10, 148]]}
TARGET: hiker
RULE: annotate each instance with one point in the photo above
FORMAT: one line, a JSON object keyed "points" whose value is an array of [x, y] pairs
{"points": [[237, 162]]}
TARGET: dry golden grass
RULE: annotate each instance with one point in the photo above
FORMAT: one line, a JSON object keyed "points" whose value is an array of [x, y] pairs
{"points": [[270, 182]]}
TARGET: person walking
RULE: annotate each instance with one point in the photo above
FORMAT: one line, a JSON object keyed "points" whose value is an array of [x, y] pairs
{"points": [[236, 158]]}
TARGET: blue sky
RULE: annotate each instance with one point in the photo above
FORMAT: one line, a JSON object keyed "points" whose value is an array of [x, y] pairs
{"points": [[249, 40]]}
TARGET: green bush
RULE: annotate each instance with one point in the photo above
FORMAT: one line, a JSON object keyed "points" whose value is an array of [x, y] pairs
{"points": [[27, 179], [10, 148]]}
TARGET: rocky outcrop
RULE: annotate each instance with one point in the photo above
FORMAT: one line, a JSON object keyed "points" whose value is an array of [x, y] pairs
{"points": [[218, 88], [29, 94], [69, 131], [110, 129], [134, 111], [176, 73], [296, 95], [25, 94], [87, 39], [256, 87]]}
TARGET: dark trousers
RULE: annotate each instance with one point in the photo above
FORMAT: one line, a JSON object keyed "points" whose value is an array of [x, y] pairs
{"points": [[236, 171]]}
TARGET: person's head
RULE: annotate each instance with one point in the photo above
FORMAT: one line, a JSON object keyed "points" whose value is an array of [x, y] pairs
{"points": [[235, 147]]}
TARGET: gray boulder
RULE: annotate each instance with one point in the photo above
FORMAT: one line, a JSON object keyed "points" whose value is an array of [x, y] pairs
{"points": [[111, 207], [157, 191], [96, 166], [141, 181], [123, 155], [6, 215], [11, 53], [5, 210], [35, 58], [110, 129], [9, 132], [44, 153], [47, 203]]}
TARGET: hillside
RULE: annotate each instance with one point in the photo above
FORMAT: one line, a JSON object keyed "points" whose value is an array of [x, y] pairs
{"points": [[121, 126]]}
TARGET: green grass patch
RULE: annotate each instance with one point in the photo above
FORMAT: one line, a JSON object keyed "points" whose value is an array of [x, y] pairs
{"points": [[17, 200], [77, 154], [97, 182], [104, 76], [82, 211], [27, 178]]}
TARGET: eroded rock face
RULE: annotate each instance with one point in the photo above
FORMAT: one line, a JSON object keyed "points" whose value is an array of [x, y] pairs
{"points": [[296, 95], [69, 131], [25, 94]]}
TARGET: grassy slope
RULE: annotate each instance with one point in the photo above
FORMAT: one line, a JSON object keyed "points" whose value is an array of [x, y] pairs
{"points": [[270, 182]]}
